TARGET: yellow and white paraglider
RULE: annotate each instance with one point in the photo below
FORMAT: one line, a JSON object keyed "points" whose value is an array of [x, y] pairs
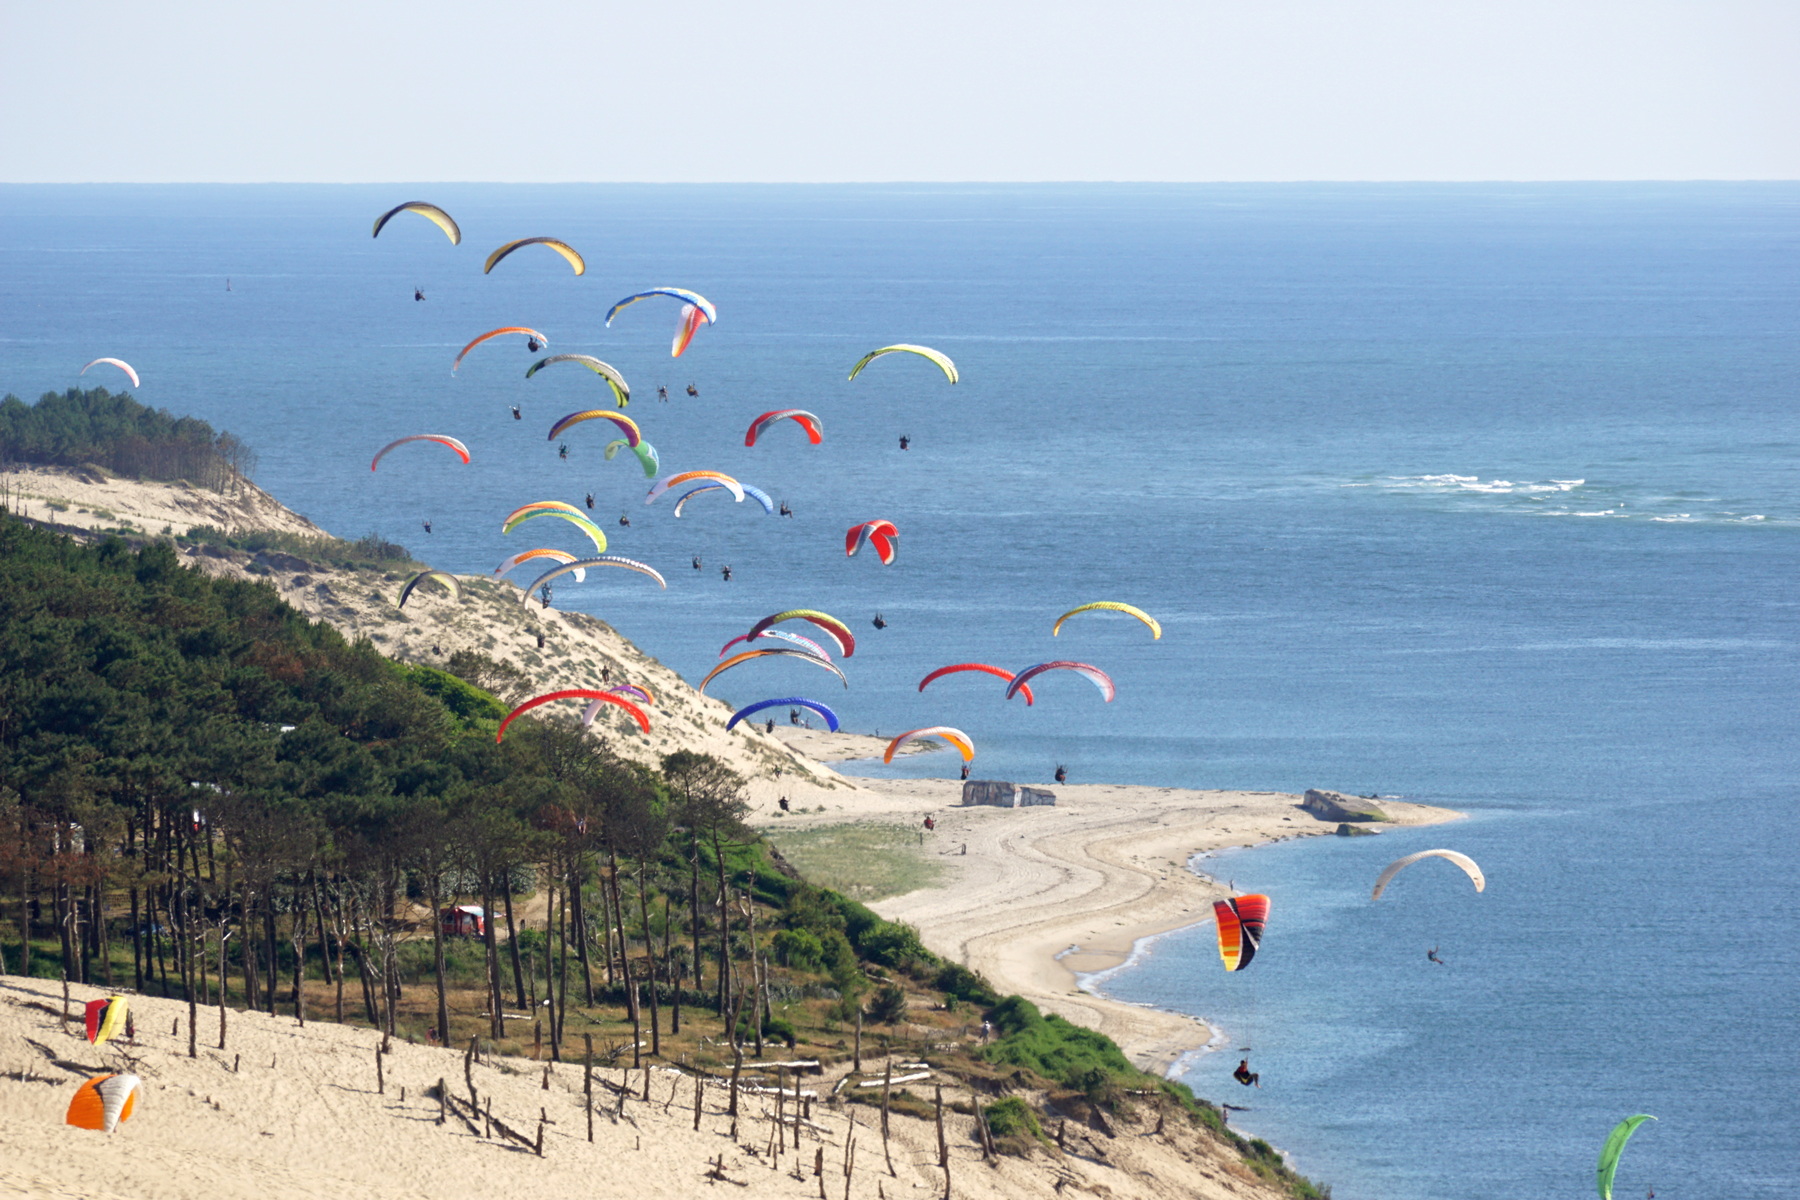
{"points": [[430, 212], [942, 360], [1462, 860], [102, 1102], [1109, 606], [956, 737], [443, 577], [563, 248]]}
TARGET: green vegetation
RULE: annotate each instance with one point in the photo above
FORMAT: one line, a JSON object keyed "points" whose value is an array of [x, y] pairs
{"points": [[1013, 1125], [80, 428], [870, 862], [369, 553]]}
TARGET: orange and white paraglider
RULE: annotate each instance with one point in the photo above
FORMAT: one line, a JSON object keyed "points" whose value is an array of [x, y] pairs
{"points": [[103, 1101]]}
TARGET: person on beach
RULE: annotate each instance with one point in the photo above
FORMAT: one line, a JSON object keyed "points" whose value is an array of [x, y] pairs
{"points": [[1432, 955], [1245, 1075], [516, 415], [930, 824]]}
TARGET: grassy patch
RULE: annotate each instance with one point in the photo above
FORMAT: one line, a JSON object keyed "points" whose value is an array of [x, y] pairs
{"points": [[868, 862]]}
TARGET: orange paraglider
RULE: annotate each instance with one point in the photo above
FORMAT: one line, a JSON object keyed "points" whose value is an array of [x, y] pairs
{"points": [[102, 1102]]}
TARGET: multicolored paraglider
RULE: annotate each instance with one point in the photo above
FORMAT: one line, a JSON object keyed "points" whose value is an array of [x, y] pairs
{"points": [[633, 435], [102, 1102], [942, 360], [1612, 1148], [562, 248], [955, 737], [839, 632], [494, 333], [696, 310], [983, 667], [815, 429], [580, 522], [119, 363], [607, 697], [524, 556], [1241, 920], [105, 1019], [1087, 671], [620, 389], [757, 494], [880, 534], [748, 655], [805, 643], [443, 577], [1399, 865], [723, 480], [831, 720], [581, 564], [441, 439], [430, 212], [1109, 606], [646, 456]]}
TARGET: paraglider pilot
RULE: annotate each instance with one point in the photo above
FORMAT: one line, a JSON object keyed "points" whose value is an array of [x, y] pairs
{"points": [[696, 562], [880, 622], [905, 441], [590, 500], [692, 390], [1062, 773], [1245, 1075], [516, 415], [427, 525], [726, 572], [532, 345], [418, 294]]}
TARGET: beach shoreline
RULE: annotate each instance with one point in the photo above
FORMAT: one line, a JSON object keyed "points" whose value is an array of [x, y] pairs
{"points": [[1049, 902]]}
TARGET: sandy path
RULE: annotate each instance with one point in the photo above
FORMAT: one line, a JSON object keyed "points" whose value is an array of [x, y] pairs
{"points": [[1042, 893]]}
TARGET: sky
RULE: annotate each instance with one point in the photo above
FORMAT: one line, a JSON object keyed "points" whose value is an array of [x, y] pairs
{"points": [[936, 90]]}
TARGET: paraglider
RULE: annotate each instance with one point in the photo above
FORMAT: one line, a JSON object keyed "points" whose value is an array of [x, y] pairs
{"points": [[637, 713], [839, 631], [105, 1019], [815, 429], [443, 577], [604, 560], [561, 556], [831, 720], [562, 248], [1612, 1148], [430, 212], [633, 435], [761, 497], [535, 341], [462, 451], [955, 737], [1092, 674], [1244, 1075], [691, 299], [1241, 922], [955, 667], [630, 691], [646, 456], [880, 534], [1109, 606], [1462, 860], [102, 1102], [805, 643], [119, 363], [747, 655], [942, 360], [663, 485], [620, 389], [574, 518]]}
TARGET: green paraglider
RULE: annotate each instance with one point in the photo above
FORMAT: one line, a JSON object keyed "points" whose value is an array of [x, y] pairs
{"points": [[1615, 1146]]}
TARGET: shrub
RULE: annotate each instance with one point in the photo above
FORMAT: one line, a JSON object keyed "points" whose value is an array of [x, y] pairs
{"points": [[889, 1005], [1013, 1125], [799, 949], [958, 981]]}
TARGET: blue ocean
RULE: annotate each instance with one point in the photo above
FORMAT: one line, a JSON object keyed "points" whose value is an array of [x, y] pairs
{"points": [[1484, 496]]}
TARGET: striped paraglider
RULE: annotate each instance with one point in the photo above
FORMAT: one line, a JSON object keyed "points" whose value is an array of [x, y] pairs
{"points": [[1241, 920], [102, 1102]]}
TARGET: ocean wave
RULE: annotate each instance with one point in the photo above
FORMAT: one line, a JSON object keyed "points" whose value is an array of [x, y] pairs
{"points": [[1471, 483]]}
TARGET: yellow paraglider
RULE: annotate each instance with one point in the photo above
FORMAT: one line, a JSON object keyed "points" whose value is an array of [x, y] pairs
{"points": [[562, 248], [430, 212], [955, 737], [1110, 606], [942, 360], [1462, 860]]}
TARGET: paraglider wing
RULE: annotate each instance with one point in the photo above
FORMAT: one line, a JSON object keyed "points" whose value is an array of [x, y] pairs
{"points": [[575, 694], [494, 333], [942, 360], [430, 212], [561, 556], [747, 655], [604, 560], [621, 390], [996, 671], [119, 363], [1612, 1148], [1091, 673], [1462, 860], [462, 451], [839, 631], [815, 429], [662, 485], [880, 534], [580, 522], [443, 577], [1111, 606], [955, 737], [1241, 922], [112, 1020], [633, 435], [831, 720], [646, 456], [562, 248], [691, 319], [102, 1102], [540, 505], [806, 643], [694, 299], [761, 497], [630, 691]]}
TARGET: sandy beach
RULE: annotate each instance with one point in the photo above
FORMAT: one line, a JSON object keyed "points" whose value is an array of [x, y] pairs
{"points": [[1032, 896]]}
